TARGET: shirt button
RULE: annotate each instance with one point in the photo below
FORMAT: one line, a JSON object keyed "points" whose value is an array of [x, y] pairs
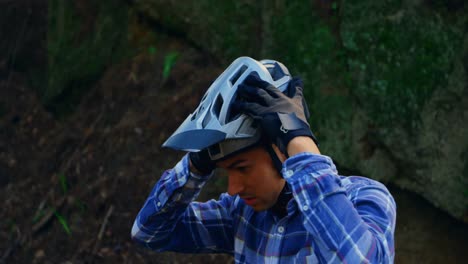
{"points": [[159, 204], [289, 173], [280, 229], [305, 207]]}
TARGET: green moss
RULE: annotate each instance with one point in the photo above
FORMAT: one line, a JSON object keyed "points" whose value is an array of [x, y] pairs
{"points": [[228, 28], [464, 176], [306, 43], [224, 28], [397, 56]]}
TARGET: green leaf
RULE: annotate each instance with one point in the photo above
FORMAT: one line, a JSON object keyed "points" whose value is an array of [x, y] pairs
{"points": [[63, 222], [169, 62]]}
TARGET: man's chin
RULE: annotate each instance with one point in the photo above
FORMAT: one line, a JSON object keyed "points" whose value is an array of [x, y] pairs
{"points": [[257, 205], [256, 209], [260, 207]]}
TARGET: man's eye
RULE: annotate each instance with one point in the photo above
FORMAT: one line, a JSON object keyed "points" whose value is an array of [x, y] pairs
{"points": [[242, 168]]}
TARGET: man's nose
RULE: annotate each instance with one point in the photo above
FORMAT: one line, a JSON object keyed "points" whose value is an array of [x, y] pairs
{"points": [[235, 184]]}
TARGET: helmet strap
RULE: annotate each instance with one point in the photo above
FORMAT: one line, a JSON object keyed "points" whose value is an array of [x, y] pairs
{"points": [[276, 161]]}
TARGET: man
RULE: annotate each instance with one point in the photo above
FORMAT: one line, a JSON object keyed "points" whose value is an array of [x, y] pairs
{"points": [[285, 202]]}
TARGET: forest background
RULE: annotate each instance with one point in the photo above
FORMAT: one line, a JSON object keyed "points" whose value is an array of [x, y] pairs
{"points": [[90, 89]]}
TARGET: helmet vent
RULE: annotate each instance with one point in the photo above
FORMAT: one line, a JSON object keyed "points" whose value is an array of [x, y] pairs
{"points": [[276, 71], [238, 74], [197, 111], [215, 110], [217, 105], [194, 115], [206, 120]]}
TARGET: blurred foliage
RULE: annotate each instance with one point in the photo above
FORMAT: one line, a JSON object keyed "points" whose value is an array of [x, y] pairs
{"points": [[84, 37]]}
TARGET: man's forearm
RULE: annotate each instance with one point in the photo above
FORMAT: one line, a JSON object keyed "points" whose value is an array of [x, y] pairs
{"points": [[344, 225], [168, 199], [302, 144]]}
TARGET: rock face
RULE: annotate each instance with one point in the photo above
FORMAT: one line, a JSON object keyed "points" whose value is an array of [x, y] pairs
{"points": [[386, 80], [410, 124]]}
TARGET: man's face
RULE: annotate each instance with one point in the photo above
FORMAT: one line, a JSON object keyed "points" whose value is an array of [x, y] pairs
{"points": [[254, 178]]}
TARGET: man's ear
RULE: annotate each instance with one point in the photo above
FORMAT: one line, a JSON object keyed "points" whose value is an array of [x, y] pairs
{"points": [[280, 154]]}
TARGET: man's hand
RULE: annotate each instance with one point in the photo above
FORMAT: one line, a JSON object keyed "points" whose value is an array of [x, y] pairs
{"points": [[200, 162], [282, 117]]}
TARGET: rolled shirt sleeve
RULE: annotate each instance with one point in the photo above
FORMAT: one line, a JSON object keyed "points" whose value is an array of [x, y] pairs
{"points": [[352, 219], [171, 220]]}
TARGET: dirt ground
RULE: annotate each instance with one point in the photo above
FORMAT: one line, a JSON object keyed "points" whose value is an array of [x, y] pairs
{"points": [[70, 189]]}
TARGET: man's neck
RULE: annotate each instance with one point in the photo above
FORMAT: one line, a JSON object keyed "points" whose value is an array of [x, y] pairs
{"points": [[280, 208]]}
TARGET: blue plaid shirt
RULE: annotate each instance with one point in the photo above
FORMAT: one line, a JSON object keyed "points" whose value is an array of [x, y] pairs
{"points": [[332, 219]]}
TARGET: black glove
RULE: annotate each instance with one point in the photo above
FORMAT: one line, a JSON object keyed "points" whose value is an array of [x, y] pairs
{"points": [[202, 162], [282, 116]]}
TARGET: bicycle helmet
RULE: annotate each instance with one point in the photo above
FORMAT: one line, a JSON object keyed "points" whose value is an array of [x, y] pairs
{"points": [[215, 124]]}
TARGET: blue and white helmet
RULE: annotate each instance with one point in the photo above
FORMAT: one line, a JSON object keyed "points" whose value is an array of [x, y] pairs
{"points": [[215, 124]]}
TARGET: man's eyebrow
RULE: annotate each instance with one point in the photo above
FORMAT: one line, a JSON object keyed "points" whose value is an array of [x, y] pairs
{"points": [[235, 163]]}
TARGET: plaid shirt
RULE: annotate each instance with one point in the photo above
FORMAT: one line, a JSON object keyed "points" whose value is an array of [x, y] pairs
{"points": [[332, 219]]}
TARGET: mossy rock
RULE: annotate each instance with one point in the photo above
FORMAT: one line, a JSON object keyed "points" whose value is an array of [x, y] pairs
{"points": [[410, 83]]}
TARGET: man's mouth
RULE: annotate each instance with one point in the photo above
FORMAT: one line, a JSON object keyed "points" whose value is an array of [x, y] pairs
{"points": [[249, 200]]}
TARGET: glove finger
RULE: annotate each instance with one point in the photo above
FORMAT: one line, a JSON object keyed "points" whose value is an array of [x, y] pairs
{"points": [[251, 109], [299, 93], [298, 86], [246, 91], [253, 94], [253, 79], [294, 85], [302, 103], [273, 91], [306, 109], [296, 81]]}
